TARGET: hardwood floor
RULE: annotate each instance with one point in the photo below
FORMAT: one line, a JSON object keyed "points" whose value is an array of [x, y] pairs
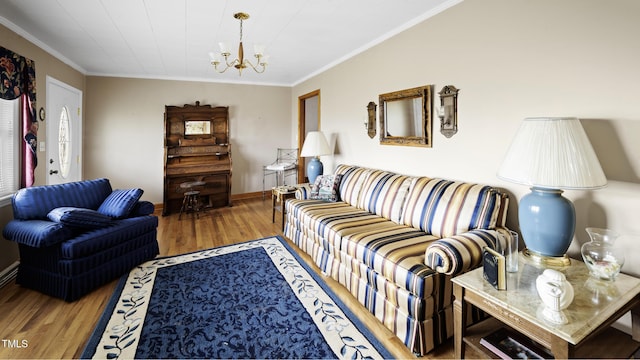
{"points": [[46, 327]]}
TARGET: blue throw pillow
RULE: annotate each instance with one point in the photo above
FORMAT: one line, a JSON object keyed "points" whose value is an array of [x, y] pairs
{"points": [[119, 203], [78, 217]]}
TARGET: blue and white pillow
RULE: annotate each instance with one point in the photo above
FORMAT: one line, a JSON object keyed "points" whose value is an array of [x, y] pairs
{"points": [[326, 187]]}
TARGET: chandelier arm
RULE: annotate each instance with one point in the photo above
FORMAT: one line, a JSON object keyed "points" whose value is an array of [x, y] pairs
{"points": [[255, 68], [215, 67], [230, 64]]}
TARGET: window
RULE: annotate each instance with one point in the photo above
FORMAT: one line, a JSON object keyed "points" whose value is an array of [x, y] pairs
{"points": [[9, 148], [64, 143]]}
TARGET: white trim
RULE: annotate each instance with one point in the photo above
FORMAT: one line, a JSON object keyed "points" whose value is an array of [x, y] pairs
{"points": [[388, 35], [5, 200], [22, 32], [8, 274]]}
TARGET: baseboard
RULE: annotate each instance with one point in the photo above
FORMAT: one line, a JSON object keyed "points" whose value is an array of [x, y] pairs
{"points": [[251, 195], [157, 208], [9, 274]]}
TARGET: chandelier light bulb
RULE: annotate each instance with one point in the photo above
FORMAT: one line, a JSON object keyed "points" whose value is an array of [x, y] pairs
{"points": [[224, 50], [214, 58], [258, 49]]}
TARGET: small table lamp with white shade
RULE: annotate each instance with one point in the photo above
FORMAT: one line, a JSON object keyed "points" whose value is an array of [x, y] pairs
{"points": [[550, 155], [315, 145]]}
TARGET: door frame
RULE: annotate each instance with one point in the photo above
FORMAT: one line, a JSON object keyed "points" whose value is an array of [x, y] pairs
{"points": [[302, 128]]}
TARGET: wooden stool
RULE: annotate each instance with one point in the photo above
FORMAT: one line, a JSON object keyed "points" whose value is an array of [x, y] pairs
{"points": [[191, 199]]}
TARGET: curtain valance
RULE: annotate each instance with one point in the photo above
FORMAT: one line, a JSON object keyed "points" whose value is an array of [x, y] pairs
{"points": [[18, 76]]}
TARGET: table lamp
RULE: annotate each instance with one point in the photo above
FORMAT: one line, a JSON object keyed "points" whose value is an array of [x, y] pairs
{"points": [[550, 155], [315, 145]]}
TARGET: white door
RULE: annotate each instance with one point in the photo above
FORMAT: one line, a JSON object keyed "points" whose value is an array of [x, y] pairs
{"points": [[64, 132]]}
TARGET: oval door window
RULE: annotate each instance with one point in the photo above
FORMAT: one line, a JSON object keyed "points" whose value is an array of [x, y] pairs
{"points": [[64, 143]]}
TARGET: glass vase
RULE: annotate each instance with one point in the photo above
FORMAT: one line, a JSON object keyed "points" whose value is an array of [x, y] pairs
{"points": [[601, 257]]}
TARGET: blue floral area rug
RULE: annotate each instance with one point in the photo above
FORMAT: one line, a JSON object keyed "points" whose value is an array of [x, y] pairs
{"points": [[253, 300]]}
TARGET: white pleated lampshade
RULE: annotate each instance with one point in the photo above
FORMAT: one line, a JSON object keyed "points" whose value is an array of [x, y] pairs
{"points": [[552, 153], [315, 144]]}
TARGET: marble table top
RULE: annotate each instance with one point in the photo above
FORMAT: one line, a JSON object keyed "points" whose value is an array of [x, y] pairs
{"points": [[595, 301]]}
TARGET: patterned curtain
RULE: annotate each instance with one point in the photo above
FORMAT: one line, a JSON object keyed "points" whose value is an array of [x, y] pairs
{"points": [[18, 80]]}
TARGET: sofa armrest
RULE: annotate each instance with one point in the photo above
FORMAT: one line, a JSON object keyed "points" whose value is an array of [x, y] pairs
{"points": [[36, 233], [303, 192], [463, 252], [142, 208]]}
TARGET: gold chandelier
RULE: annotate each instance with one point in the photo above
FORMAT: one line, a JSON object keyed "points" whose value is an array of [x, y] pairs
{"points": [[240, 62]]}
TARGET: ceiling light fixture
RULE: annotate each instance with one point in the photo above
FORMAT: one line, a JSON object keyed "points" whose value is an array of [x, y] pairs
{"points": [[240, 62]]}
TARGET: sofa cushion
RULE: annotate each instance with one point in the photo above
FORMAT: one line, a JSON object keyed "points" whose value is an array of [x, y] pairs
{"points": [[97, 240], [384, 194], [79, 217], [281, 166], [120, 202], [35, 202], [395, 252], [353, 179], [445, 208], [326, 187], [323, 219], [36, 233]]}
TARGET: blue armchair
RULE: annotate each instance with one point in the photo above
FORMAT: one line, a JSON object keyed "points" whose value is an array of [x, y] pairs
{"points": [[77, 236]]}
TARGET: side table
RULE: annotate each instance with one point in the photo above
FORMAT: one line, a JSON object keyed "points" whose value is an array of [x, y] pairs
{"points": [[597, 304], [279, 196]]}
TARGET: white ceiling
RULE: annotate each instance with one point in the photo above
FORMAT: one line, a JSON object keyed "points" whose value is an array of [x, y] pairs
{"points": [[171, 39]]}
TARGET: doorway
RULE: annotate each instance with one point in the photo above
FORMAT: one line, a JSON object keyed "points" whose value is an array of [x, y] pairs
{"points": [[64, 132], [308, 120]]}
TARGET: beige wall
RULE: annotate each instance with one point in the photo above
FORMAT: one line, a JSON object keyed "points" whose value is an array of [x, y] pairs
{"points": [[46, 65], [124, 128], [511, 59]]}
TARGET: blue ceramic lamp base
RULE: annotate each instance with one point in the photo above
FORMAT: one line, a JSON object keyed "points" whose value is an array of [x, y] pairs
{"points": [[314, 169], [548, 222]]}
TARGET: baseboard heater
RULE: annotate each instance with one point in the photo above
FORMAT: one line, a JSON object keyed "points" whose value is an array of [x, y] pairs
{"points": [[9, 274]]}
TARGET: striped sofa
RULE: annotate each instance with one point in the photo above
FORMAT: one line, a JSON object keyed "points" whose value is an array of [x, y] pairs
{"points": [[394, 241]]}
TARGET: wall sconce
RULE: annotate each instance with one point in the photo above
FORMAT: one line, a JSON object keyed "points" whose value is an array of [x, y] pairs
{"points": [[448, 110], [370, 124]]}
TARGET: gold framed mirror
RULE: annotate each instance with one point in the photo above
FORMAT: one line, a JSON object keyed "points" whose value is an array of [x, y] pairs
{"points": [[197, 127], [405, 117]]}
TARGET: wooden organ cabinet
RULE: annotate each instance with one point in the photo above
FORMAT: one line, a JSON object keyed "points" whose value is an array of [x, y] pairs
{"points": [[197, 149]]}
